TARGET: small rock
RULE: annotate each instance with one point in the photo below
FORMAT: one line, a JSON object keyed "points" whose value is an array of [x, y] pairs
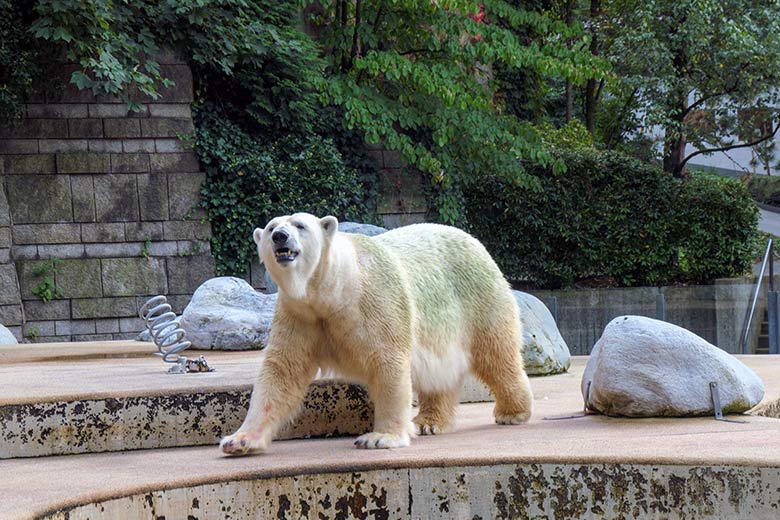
{"points": [[545, 350], [226, 313], [7, 337], [144, 335], [356, 228], [641, 367]]}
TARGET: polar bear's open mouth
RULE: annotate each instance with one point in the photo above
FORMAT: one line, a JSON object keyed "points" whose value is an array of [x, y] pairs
{"points": [[285, 255]]}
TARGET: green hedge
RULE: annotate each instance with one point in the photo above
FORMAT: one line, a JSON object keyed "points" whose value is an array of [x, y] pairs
{"points": [[717, 222], [764, 189], [610, 216]]}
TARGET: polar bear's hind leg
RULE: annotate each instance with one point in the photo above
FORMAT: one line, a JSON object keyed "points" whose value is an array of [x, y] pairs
{"points": [[497, 360], [436, 414]]}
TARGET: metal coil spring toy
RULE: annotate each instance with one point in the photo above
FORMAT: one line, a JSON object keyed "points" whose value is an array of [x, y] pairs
{"points": [[168, 336]]}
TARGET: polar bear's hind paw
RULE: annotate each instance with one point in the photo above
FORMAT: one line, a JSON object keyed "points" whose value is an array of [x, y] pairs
{"points": [[519, 418]]}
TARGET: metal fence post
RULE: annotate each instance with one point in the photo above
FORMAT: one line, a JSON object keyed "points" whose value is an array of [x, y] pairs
{"points": [[553, 306], [773, 309], [660, 307]]}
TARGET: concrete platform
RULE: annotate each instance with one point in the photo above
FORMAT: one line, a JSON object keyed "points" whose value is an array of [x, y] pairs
{"points": [[116, 396], [576, 468], [90, 398]]}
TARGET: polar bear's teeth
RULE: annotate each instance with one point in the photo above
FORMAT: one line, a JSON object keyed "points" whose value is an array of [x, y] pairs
{"points": [[285, 255]]}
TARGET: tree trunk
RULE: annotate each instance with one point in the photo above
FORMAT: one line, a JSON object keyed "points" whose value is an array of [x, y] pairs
{"points": [[569, 19], [674, 154], [675, 143], [674, 136], [591, 88]]}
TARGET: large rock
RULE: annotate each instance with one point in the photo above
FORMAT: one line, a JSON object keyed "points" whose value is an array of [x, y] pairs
{"points": [[356, 228], [643, 367], [226, 313], [7, 337], [545, 350]]}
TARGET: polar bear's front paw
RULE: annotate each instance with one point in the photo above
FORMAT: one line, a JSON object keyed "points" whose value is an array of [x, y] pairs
{"points": [[375, 440], [243, 443]]}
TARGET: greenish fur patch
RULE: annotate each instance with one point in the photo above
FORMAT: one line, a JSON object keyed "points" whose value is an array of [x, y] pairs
{"points": [[382, 271], [450, 274]]}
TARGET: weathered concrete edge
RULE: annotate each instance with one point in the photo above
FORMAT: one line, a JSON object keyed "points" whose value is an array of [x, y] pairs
{"points": [[570, 490], [175, 420]]}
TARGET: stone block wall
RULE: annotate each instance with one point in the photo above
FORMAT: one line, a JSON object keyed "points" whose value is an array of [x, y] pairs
{"points": [[109, 193], [401, 191]]}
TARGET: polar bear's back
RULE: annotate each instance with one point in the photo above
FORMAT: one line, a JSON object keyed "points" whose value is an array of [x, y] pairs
{"points": [[452, 276]]}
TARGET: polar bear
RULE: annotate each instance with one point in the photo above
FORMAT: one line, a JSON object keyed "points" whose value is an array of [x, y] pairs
{"points": [[418, 307]]}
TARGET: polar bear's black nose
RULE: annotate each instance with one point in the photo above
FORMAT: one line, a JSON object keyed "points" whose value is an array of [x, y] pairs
{"points": [[280, 236]]}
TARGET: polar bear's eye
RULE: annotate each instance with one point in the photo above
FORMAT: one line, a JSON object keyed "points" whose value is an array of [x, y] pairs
{"points": [[270, 228], [300, 226]]}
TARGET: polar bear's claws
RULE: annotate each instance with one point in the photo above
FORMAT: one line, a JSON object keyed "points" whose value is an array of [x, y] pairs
{"points": [[427, 429], [513, 419], [241, 444], [377, 440]]}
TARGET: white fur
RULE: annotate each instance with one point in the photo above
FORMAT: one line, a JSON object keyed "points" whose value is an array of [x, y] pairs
{"points": [[432, 372], [403, 310]]}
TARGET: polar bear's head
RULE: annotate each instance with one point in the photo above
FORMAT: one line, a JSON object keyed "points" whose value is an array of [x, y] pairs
{"points": [[291, 247]]}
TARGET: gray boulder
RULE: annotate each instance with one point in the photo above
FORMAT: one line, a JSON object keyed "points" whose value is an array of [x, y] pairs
{"points": [[356, 228], [7, 337], [361, 229], [545, 350], [641, 367], [226, 313]]}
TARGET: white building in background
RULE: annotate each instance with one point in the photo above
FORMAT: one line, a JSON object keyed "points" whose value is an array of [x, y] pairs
{"points": [[735, 162], [739, 161]]}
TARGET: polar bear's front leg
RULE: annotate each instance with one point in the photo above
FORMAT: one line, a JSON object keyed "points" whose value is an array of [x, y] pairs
{"points": [[391, 393], [278, 392]]}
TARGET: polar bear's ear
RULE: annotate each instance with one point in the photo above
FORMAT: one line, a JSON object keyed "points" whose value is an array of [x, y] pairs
{"points": [[329, 225], [258, 233]]}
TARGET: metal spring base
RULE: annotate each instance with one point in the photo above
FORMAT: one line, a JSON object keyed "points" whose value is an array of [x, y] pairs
{"points": [[168, 336]]}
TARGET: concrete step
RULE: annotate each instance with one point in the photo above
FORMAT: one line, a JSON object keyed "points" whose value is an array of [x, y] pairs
{"points": [[114, 396], [88, 398], [762, 347], [577, 468]]}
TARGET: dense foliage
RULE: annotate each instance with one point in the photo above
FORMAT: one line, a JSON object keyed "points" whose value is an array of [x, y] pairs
{"points": [[610, 216], [260, 127], [703, 71], [469, 92], [418, 76], [764, 189], [717, 222], [249, 183], [19, 56]]}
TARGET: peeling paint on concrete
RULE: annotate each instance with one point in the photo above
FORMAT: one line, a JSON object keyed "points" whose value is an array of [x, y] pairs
{"points": [[527, 491], [597, 491], [190, 419], [337, 496]]}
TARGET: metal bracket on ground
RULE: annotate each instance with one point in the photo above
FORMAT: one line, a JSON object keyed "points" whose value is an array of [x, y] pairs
{"points": [[585, 412], [714, 393]]}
